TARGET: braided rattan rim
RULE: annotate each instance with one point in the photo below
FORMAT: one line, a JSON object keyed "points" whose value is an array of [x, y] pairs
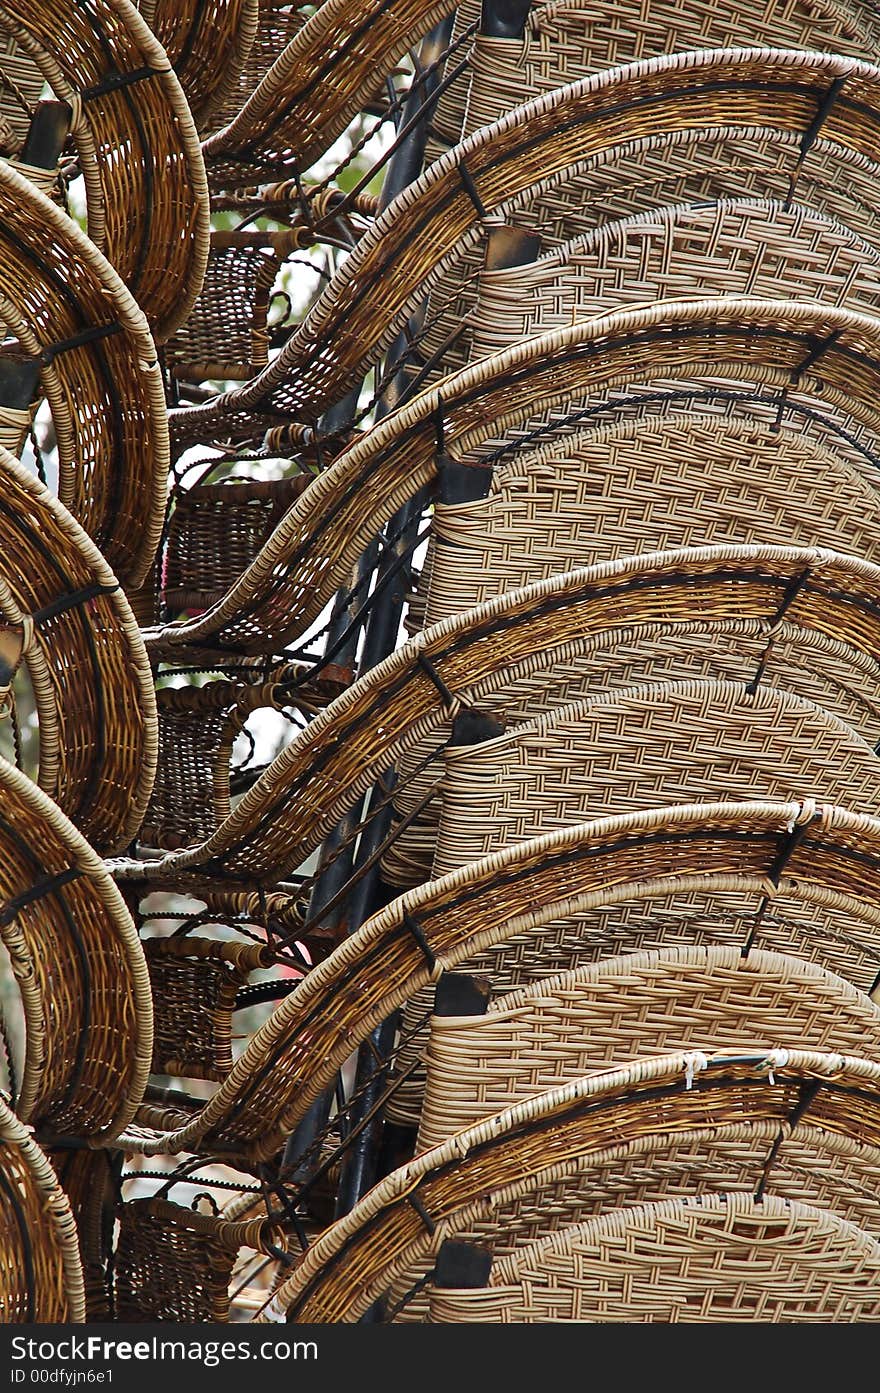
{"points": [[310, 1035], [133, 709], [329, 525], [56, 1209], [341, 1273]]}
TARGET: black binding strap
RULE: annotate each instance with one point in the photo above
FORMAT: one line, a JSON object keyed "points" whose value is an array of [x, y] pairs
{"points": [[72, 601], [422, 1212], [114, 80], [418, 934], [92, 335], [819, 347], [46, 885], [428, 667], [471, 190], [811, 134], [787, 850]]}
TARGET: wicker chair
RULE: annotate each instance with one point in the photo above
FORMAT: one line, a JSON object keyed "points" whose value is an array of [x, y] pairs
{"points": [[80, 973], [226, 335], [215, 532], [468, 661], [562, 41], [748, 348], [42, 1279], [175, 1264], [92, 685], [138, 149], [604, 1014], [480, 183], [196, 984], [789, 878], [398, 1227], [724, 1257], [69, 312], [331, 68], [198, 727], [208, 46], [747, 247], [836, 1174], [647, 747]]}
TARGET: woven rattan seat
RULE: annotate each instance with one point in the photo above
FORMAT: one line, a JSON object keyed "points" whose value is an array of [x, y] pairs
{"points": [[386, 1233], [330, 764], [436, 219], [563, 41], [173, 1264], [825, 908], [679, 471], [733, 346], [747, 247], [89, 674], [197, 730], [79, 970], [216, 531], [68, 310], [645, 747], [41, 1277], [721, 1257], [226, 334], [138, 149], [195, 983], [603, 1014], [208, 46]]}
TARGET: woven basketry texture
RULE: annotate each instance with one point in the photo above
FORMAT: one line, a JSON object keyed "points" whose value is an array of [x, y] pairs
{"points": [[80, 973], [717, 1258], [41, 1278], [603, 1014], [146, 192], [89, 674], [353, 1262]]}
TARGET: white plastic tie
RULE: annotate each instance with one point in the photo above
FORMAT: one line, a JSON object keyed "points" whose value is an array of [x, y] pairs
{"points": [[777, 1059], [694, 1064]]}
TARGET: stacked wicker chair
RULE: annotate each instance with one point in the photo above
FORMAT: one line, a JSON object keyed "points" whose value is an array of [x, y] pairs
{"points": [[586, 868]]}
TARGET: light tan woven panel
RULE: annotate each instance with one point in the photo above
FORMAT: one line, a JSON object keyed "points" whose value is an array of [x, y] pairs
{"points": [[359, 1257], [828, 674], [650, 918], [728, 248], [692, 874], [720, 1258], [565, 41], [658, 172], [41, 1277], [810, 1166], [643, 485], [601, 1015], [645, 747]]}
